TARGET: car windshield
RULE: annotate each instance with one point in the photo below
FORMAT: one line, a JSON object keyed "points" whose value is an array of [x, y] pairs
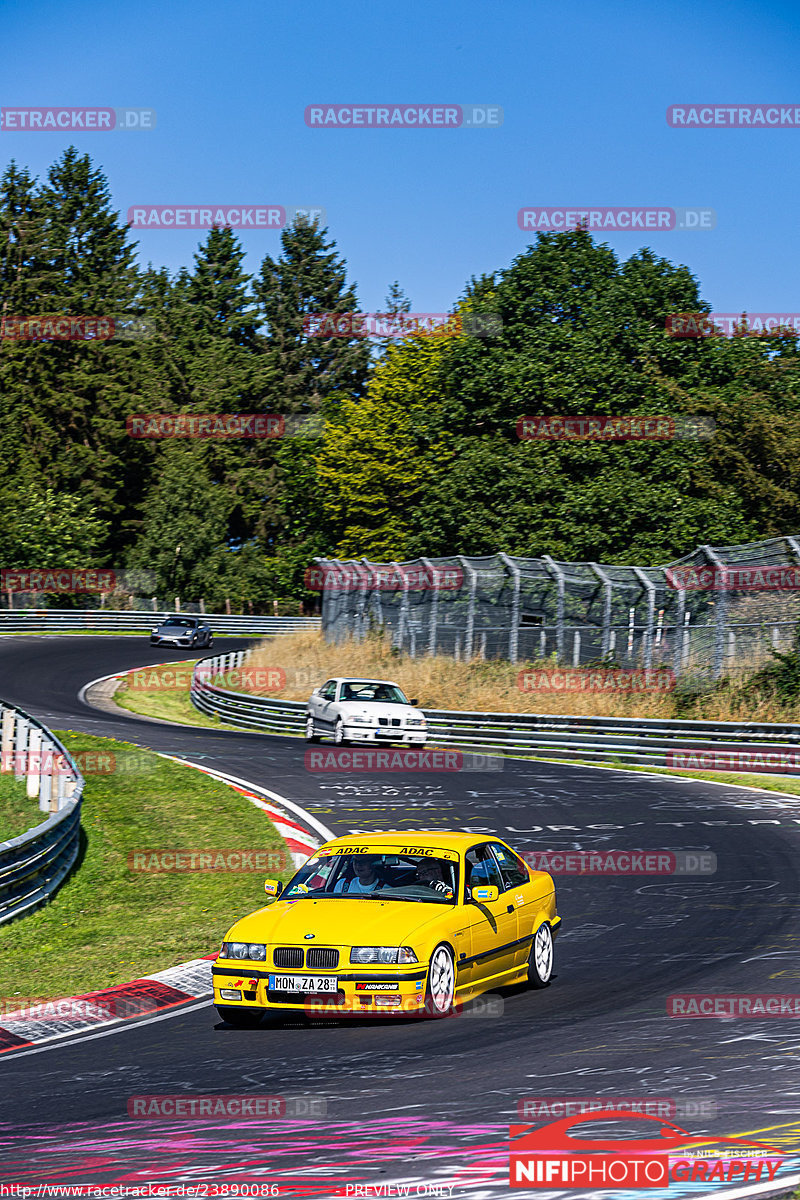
{"points": [[382, 693], [182, 621], [412, 878]]}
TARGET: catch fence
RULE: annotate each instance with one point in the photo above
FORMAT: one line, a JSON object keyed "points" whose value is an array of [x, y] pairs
{"points": [[719, 610]]}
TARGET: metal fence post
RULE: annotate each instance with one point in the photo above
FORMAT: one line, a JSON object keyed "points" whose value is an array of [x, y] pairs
{"points": [[607, 590], [34, 763], [554, 568], [720, 609], [677, 649], [403, 623], [7, 740], [435, 581], [46, 786], [473, 585], [650, 587], [21, 747], [513, 636]]}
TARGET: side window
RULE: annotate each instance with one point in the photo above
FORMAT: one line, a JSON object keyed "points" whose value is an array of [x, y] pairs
{"points": [[328, 690], [482, 868], [515, 873]]}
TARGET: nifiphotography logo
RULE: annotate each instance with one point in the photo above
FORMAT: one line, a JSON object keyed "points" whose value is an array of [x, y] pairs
{"points": [[553, 1157]]}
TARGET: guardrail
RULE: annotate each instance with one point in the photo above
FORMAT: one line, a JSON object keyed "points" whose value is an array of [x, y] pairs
{"points": [[628, 740], [32, 620], [34, 865]]}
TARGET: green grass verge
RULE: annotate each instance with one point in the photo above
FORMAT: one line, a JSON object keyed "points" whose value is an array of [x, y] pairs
{"points": [[164, 694], [18, 814], [108, 924]]}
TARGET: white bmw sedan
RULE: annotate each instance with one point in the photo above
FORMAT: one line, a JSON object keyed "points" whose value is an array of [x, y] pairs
{"points": [[364, 710]]}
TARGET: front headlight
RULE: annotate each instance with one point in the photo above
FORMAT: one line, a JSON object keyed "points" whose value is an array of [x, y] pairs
{"points": [[382, 954], [360, 721], [416, 721], [254, 951]]}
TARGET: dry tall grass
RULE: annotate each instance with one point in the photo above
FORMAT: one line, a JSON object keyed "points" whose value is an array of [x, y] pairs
{"points": [[441, 682]]}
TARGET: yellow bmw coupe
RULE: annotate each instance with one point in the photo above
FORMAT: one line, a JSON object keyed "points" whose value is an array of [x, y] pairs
{"points": [[403, 923]]}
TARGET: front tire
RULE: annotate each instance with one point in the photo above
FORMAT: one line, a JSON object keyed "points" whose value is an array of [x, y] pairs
{"points": [[540, 959], [240, 1018], [441, 986], [338, 733], [311, 735]]}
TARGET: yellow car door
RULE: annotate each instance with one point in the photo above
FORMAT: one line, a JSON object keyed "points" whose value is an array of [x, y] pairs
{"points": [[492, 923], [518, 892]]}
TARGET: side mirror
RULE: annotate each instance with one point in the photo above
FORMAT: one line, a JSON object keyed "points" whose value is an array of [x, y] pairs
{"points": [[484, 893], [274, 887], [414, 702]]}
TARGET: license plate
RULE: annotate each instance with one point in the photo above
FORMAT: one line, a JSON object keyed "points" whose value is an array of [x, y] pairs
{"points": [[388, 733], [303, 983]]}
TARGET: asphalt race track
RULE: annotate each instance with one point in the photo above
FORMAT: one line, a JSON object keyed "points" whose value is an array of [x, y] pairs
{"points": [[430, 1101]]}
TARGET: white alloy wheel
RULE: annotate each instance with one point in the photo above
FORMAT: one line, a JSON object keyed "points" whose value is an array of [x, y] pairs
{"points": [[540, 961], [441, 982]]}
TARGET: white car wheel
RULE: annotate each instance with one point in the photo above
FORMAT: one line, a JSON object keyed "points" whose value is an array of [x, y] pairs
{"points": [[540, 960], [311, 735], [441, 982], [338, 733]]}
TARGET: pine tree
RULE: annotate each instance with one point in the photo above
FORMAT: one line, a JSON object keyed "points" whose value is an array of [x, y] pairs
{"points": [[309, 278], [63, 403]]}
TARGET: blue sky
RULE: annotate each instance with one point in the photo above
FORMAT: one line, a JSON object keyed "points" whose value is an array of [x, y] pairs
{"points": [[584, 88]]}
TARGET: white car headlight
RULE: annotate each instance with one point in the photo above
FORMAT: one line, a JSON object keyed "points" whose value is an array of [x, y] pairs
{"points": [[416, 721], [382, 954], [254, 951], [360, 721]]}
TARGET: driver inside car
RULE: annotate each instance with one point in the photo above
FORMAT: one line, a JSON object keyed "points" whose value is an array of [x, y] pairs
{"points": [[365, 880]]}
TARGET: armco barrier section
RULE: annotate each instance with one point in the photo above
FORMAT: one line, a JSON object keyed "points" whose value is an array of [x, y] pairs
{"points": [[52, 620], [726, 745], [34, 865]]}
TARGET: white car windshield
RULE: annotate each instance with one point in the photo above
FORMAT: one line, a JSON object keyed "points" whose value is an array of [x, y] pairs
{"points": [[381, 693], [415, 878]]}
